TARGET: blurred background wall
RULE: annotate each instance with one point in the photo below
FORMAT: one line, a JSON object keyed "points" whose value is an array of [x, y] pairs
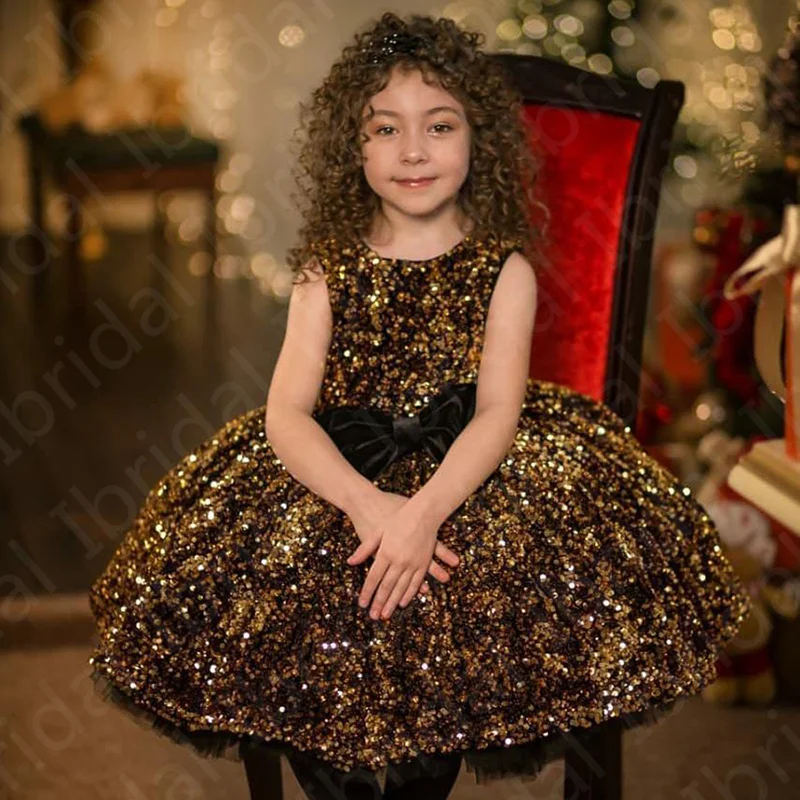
{"points": [[246, 63]]}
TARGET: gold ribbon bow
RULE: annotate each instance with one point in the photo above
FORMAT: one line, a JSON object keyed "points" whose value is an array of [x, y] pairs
{"points": [[769, 270]]}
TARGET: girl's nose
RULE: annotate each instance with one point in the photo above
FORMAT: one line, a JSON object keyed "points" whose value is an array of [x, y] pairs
{"points": [[413, 149]]}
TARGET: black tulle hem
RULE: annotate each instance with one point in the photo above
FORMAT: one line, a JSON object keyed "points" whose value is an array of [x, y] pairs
{"points": [[524, 760]]}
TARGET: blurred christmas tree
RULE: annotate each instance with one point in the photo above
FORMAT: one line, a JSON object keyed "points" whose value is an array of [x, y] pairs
{"points": [[714, 49], [593, 34], [731, 234]]}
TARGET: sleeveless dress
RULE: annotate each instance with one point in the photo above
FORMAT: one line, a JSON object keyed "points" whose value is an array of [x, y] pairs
{"points": [[591, 586]]}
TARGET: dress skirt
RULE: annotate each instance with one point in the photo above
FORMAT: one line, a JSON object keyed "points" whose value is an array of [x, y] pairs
{"points": [[591, 591]]}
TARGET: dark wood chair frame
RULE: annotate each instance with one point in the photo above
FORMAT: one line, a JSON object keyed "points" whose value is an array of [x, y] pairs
{"points": [[78, 183]]}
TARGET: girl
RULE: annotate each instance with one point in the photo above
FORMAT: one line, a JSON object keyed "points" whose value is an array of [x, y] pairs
{"points": [[413, 553]]}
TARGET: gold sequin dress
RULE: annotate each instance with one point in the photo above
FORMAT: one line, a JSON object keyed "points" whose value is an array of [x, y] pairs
{"points": [[591, 585]]}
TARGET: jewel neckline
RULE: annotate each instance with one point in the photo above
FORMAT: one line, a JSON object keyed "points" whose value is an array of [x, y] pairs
{"points": [[468, 238]]}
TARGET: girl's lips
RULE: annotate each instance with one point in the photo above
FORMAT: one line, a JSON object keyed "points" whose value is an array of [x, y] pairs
{"points": [[415, 184]]}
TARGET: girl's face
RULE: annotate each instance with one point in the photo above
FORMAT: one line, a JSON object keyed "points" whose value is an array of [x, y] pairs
{"points": [[418, 131]]}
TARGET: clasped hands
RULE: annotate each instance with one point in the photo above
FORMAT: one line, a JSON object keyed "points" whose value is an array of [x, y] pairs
{"points": [[403, 539]]}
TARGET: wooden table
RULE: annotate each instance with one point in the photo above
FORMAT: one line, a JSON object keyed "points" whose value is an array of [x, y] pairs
{"points": [[84, 164]]}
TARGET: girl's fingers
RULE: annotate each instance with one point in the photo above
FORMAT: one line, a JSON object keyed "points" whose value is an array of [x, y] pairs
{"points": [[413, 588], [363, 551], [399, 591], [373, 581], [385, 589], [445, 554], [439, 572]]}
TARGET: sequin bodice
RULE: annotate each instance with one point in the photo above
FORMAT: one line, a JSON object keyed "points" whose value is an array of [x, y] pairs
{"points": [[402, 328]]}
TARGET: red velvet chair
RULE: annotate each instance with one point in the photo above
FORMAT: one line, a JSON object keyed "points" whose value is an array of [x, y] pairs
{"points": [[604, 144]]}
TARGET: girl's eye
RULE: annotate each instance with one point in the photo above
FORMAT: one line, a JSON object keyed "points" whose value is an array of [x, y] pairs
{"points": [[437, 125]]}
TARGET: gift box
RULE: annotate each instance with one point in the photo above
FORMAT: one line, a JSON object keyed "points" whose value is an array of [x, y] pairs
{"points": [[774, 271], [769, 473]]}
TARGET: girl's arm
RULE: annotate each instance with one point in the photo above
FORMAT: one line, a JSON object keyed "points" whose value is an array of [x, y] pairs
{"points": [[307, 452], [502, 383]]}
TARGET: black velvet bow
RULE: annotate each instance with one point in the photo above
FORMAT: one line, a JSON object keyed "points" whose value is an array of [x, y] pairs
{"points": [[371, 440], [376, 52]]}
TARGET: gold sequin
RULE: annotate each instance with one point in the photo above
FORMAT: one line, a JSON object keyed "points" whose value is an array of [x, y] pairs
{"points": [[591, 583]]}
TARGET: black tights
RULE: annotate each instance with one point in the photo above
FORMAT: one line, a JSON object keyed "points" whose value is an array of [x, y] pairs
{"points": [[427, 776]]}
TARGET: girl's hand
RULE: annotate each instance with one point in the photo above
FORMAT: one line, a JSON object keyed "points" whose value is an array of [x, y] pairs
{"points": [[367, 524], [407, 540]]}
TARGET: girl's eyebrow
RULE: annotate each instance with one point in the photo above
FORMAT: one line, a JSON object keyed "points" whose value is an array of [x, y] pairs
{"points": [[387, 113]]}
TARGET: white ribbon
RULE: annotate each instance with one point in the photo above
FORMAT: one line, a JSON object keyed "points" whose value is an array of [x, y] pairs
{"points": [[766, 271]]}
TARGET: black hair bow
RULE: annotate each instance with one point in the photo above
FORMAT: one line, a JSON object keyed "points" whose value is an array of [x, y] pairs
{"points": [[371, 440], [377, 51]]}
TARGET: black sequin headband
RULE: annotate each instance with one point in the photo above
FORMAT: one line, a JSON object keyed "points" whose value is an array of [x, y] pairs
{"points": [[376, 52]]}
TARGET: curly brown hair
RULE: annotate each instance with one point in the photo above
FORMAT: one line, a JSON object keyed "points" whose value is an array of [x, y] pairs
{"points": [[333, 195]]}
